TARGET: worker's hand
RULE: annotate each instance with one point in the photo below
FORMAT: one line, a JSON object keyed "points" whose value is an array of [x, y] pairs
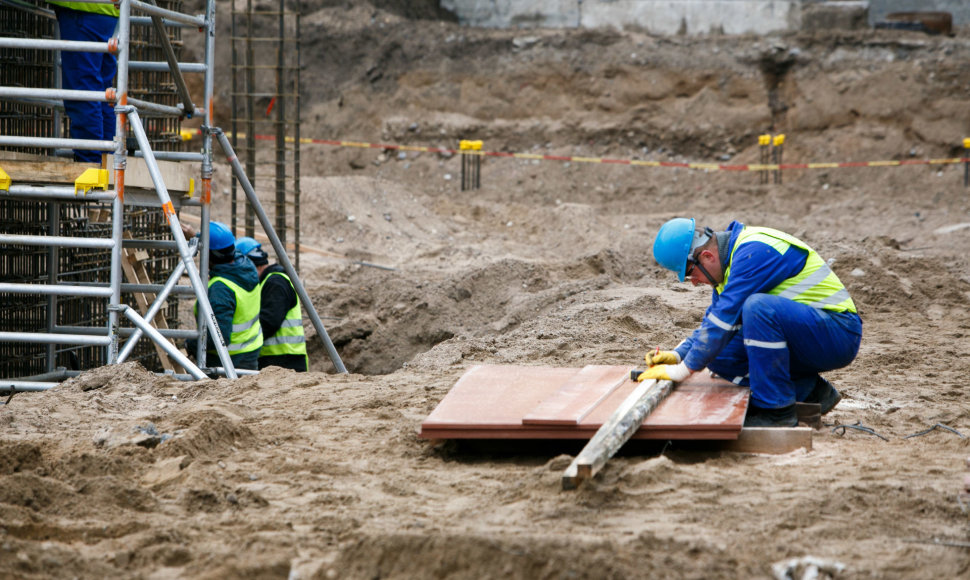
{"points": [[674, 373], [663, 357], [187, 230]]}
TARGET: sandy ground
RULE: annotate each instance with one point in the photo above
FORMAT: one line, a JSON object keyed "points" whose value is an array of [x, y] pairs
{"points": [[122, 473]]}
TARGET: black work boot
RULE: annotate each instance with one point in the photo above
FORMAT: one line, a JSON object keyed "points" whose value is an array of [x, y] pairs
{"points": [[824, 394], [781, 417]]}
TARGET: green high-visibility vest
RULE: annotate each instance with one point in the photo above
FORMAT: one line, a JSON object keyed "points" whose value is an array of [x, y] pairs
{"points": [[106, 9], [289, 339], [247, 334], [816, 285]]}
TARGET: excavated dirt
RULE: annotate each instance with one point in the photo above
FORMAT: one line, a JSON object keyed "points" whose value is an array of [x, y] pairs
{"points": [[120, 473]]}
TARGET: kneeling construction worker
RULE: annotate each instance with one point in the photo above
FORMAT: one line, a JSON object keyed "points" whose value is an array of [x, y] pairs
{"points": [[778, 317], [234, 295], [284, 342]]}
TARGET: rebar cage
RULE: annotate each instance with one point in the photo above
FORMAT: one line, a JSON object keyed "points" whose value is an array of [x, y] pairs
{"points": [[30, 264]]}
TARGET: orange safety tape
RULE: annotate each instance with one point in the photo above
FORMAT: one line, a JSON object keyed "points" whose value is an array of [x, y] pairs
{"points": [[634, 162]]}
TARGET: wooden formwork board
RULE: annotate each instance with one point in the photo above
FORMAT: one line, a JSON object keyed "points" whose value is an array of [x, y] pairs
{"points": [[525, 402]]}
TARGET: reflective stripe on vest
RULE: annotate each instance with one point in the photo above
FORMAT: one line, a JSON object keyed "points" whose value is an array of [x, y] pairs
{"points": [[247, 334], [105, 9], [289, 339], [816, 285]]}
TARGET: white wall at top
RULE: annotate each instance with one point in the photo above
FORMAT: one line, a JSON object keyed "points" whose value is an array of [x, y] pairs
{"points": [[656, 16], [694, 16]]}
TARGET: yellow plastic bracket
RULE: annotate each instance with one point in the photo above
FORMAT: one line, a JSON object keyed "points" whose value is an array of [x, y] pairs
{"points": [[779, 140], [5, 180], [91, 178], [466, 145]]}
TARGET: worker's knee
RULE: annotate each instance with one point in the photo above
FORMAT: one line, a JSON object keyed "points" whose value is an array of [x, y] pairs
{"points": [[761, 307]]}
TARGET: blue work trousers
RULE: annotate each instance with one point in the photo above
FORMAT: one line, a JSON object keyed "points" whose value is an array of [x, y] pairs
{"points": [[783, 346], [88, 71]]}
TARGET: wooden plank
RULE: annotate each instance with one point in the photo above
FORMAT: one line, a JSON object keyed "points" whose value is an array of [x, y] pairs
{"points": [[176, 175], [578, 396], [771, 440], [700, 402], [554, 433], [135, 272], [44, 172], [38, 170], [496, 396], [489, 401], [616, 431]]}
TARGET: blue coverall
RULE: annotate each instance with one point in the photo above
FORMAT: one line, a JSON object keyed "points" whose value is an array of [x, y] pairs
{"points": [[88, 71], [771, 343]]}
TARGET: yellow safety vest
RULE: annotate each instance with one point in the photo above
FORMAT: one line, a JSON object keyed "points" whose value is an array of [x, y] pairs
{"points": [[247, 334], [289, 339], [816, 285], [106, 9]]}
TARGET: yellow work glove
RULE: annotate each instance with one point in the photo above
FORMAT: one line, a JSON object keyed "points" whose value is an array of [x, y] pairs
{"points": [[676, 373], [664, 357]]}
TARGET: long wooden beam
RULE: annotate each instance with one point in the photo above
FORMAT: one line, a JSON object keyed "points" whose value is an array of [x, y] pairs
{"points": [[623, 423]]}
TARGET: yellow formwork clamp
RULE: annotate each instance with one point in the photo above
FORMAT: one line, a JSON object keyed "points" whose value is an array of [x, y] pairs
{"points": [[466, 145], [91, 178], [779, 140], [5, 180], [764, 140]]}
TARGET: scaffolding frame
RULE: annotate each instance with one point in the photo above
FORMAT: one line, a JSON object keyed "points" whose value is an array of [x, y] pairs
{"points": [[129, 112]]}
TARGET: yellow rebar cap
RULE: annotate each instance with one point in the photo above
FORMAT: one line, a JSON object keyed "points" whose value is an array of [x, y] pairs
{"points": [[966, 143], [91, 178], [764, 139], [5, 180], [472, 145], [779, 140]]}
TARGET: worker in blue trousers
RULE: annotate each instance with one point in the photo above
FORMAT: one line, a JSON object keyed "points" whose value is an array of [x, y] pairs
{"points": [[234, 296], [778, 317], [88, 71], [284, 341]]}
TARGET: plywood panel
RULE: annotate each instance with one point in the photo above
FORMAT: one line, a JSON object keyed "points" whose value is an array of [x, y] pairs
{"points": [[491, 401], [578, 396]]}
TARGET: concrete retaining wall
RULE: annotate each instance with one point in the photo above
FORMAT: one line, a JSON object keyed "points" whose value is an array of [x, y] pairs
{"points": [[656, 16], [684, 16]]}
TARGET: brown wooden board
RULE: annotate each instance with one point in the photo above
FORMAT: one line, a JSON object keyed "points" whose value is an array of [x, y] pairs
{"points": [[578, 396], [491, 401]]}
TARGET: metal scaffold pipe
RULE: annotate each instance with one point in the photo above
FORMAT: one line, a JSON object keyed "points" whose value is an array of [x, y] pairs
{"points": [[187, 255], [279, 249]]}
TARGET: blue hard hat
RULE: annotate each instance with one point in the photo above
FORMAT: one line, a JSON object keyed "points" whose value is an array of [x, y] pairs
{"points": [[246, 245], [220, 236], [672, 245]]}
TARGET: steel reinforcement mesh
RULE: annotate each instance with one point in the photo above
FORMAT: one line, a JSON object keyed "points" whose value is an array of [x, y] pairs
{"points": [[35, 68], [75, 266]]}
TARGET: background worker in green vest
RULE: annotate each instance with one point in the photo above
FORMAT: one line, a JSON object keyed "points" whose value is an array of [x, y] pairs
{"points": [[284, 342], [778, 317], [88, 71], [234, 296]]}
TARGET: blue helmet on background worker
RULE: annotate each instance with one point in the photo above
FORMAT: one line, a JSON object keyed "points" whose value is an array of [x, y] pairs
{"points": [[253, 250], [220, 236], [247, 244], [674, 243]]}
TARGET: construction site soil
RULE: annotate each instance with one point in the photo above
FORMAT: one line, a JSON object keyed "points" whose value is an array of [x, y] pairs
{"points": [[125, 474]]}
